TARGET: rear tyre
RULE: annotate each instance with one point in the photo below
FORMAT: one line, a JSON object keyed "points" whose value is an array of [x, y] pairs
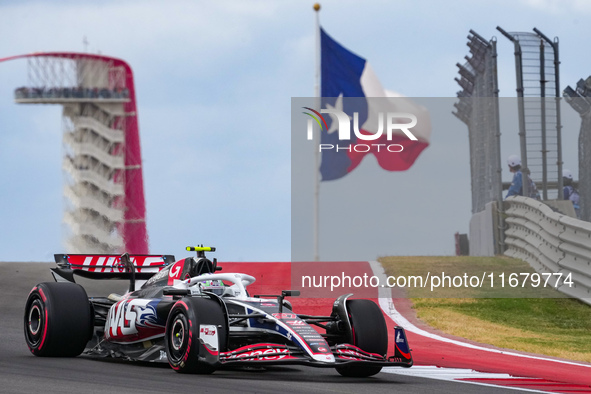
{"points": [[369, 333], [185, 352], [58, 321]]}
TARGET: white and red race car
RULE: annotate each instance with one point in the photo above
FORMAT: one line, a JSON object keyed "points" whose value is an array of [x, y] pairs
{"points": [[199, 319]]}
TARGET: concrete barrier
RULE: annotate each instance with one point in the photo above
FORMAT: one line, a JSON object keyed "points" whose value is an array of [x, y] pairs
{"points": [[550, 242]]}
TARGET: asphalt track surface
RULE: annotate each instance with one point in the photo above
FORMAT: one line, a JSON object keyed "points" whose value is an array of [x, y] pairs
{"points": [[21, 372]]}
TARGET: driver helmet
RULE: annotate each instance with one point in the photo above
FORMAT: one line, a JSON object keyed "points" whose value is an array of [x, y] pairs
{"points": [[217, 287]]}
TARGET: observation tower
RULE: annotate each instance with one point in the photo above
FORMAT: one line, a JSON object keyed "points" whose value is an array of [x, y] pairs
{"points": [[102, 163]]}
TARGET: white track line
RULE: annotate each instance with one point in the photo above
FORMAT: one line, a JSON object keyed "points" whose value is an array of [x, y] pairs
{"points": [[453, 374], [387, 305]]}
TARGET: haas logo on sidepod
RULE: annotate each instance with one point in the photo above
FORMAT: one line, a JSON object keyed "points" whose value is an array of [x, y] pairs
{"points": [[125, 315]]}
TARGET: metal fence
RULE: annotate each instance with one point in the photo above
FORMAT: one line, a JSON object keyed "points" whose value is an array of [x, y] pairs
{"points": [[580, 100], [538, 89]]}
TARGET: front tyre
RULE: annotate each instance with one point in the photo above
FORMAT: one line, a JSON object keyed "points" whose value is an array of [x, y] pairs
{"points": [[186, 349], [58, 320], [369, 333]]}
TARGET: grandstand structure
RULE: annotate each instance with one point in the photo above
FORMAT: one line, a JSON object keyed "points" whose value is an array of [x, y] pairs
{"points": [[102, 158]]}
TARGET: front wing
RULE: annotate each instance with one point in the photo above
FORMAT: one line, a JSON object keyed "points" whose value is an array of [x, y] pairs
{"points": [[344, 354]]}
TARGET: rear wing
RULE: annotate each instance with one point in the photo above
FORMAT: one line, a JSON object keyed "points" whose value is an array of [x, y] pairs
{"points": [[109, 266]]}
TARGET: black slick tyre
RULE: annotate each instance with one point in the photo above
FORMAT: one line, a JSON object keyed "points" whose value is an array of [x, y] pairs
{"points": [[58, 320], [369, 333], [183, 348]]}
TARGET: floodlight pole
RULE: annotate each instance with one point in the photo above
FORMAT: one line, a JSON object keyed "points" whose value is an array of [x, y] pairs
{"points": [[316, 137]]}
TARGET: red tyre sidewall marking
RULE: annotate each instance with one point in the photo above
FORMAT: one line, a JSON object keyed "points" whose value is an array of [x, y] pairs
{"points": [[186, 357], [46, 322], [177, 367]]}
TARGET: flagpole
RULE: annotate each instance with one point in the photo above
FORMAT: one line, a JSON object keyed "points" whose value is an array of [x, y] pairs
{"points": [[316, 137]]}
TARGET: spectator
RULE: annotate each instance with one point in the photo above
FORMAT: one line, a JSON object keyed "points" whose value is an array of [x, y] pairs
{"points": [[569, 191], [516, 188]]}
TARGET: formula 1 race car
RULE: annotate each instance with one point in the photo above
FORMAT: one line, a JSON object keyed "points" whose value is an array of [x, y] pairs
{"points": [[199, 320]]}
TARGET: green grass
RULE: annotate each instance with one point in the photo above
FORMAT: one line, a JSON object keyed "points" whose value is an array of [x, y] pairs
{"points": [[559, 327]]}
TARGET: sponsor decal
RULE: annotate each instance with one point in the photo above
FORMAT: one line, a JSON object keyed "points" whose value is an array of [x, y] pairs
{"points": [[322, 349], [350, 358], [401, 343], [284, 316], [175, 272], [133, 317], [262, 355], [208, 334], [354, 352], [350, 353], [207, 330], [296, 322], [98, 263]]}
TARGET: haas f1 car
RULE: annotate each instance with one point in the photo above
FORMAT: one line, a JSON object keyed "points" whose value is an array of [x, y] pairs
{"points": [[198, 319]]}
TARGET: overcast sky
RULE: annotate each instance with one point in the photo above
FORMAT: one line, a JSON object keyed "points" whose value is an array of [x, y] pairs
{"points": [[214, 81]]}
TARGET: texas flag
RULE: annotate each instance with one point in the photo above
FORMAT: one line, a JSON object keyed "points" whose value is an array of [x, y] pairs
{"points": [[345, 75]]}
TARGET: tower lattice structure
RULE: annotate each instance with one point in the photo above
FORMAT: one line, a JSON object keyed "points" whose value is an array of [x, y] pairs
{"points": [[102, 158]]}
